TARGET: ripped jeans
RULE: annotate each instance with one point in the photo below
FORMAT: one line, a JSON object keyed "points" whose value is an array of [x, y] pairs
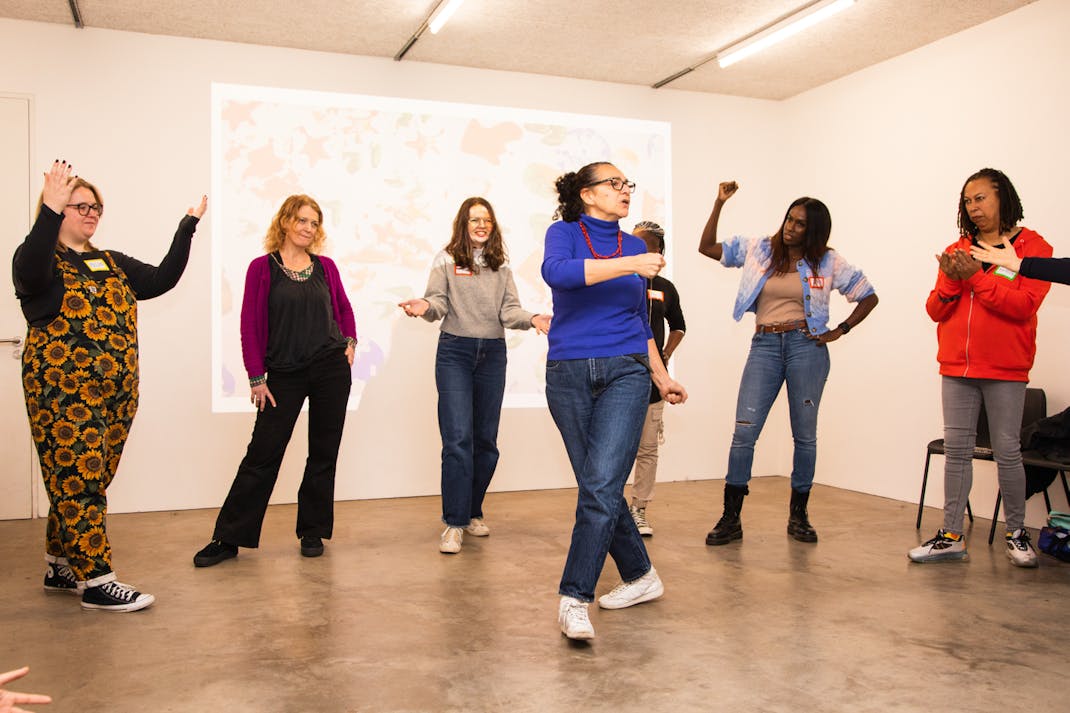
{"points": [[774, 359]]}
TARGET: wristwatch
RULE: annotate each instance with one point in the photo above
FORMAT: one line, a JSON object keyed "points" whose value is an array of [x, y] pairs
{"points": [[844, 327]]}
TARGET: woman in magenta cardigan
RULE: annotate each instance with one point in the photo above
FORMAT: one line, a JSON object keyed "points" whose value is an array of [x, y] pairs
{"points": [[298, 340]]}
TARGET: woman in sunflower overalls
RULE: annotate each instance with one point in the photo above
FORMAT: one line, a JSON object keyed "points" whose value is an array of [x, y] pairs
{"points": [[80, 374]]}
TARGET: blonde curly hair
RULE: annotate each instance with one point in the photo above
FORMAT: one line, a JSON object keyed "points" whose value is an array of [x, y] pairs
{"points": [[287, 215]]}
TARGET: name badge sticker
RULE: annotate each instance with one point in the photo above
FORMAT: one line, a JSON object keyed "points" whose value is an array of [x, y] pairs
{"points": [[655, 295], [817, 282], [97, 265], [1005, 272], [462, 271]]}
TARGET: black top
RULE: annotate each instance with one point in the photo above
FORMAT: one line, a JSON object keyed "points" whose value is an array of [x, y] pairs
{"points": [[38, 284], [663, 304], [301, 324], [1052, 269]]}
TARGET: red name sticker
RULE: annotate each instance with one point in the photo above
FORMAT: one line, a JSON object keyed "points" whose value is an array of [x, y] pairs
{"points": [[655, 295], [817, 282], [464, 271]]}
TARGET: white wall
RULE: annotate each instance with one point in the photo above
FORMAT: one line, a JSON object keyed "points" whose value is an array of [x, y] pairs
{"points": [[886, 148]]}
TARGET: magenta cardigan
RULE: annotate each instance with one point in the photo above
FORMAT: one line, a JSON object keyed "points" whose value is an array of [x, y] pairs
{"points": [[254, 310]]}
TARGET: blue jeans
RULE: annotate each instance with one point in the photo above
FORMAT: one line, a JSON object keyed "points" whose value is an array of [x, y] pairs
{"points": [[599, 406], [774, 359], [470, 376]]}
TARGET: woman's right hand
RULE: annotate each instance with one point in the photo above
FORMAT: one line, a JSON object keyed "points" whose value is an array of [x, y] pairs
{"points": [[647, 265], [59, 184], [260, 395], [415, 308], [726, 190]]}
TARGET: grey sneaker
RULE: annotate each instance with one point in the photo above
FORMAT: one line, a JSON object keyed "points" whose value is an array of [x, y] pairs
{"points": [[573, 619], [477, 528], [639, 516], [59, 577], [1020, 550], [115, 596], [626, 594], [450, 542], [945, 546]]}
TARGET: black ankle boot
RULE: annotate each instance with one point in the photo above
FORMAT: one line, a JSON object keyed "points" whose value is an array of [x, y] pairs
{"points": [[798, 522], [729, 527]]}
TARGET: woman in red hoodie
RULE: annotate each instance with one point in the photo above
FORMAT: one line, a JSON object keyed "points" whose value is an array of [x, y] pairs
{"points": [[986, 319]]}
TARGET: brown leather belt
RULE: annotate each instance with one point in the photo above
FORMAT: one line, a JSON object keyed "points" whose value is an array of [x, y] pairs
{"points": [[780, 327]]}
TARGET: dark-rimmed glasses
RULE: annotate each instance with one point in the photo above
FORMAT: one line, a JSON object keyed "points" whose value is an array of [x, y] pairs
{"points": [[85, 209], [616, 183]]}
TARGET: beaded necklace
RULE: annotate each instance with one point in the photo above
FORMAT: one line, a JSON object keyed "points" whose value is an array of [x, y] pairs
{"points": [[590, 246], [295, 275]]}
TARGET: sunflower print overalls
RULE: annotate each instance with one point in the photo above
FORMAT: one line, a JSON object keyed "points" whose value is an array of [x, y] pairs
{"points": [[80, 378]]}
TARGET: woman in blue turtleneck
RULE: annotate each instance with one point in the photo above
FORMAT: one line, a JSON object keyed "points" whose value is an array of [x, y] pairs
{"points": [[598, 370]]}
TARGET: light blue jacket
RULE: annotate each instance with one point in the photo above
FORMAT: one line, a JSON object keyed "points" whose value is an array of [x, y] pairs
{"points": [[755, 255]]}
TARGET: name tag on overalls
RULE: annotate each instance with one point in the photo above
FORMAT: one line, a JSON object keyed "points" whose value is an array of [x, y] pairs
{"points": [[97, 265]]}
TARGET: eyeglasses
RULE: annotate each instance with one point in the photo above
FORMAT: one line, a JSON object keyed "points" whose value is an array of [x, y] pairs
{"points": [[481, 221], [85, 209], [616, 183]]}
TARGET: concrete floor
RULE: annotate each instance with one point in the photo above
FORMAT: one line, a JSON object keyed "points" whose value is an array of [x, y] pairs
{"points": [[383, 622]]}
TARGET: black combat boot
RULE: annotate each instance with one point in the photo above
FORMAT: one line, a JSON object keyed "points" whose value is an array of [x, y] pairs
{"points": [[729, 527], [798, 522]]}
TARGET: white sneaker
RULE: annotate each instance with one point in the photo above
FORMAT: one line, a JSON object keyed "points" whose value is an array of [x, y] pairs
{"points": [[1019, 549], [637, 591], [572, 616], [450, 543], [477, 528], [945, 546], [639, 516]]}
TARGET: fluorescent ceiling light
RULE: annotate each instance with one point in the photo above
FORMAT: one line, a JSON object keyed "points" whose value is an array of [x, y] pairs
{"points": [[441, 14], [794, 23]]}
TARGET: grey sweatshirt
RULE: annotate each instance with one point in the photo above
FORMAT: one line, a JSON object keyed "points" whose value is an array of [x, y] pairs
{"points": [[474, 304]]}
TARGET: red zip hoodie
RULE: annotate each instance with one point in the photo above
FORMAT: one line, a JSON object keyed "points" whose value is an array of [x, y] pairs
{"points": [[987, 323]]}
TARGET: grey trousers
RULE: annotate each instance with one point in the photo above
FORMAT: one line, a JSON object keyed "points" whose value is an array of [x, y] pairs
{"points": [[1004, 401]]}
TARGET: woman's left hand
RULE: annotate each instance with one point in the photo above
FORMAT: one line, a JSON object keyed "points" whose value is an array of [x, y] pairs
{"points": [[541, 323], [351, 352], [826, 337], [198, 212], [964, 265], [673, 392]]}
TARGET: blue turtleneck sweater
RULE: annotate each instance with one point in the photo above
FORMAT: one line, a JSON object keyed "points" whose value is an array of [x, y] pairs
{"points": [[602, 320]]}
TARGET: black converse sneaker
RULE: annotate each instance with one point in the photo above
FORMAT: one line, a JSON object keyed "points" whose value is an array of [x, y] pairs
{"points": [[59, 577], [115, 596]]}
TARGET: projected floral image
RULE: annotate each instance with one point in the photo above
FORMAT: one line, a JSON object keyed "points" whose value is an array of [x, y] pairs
{"points": [[389, 174]]}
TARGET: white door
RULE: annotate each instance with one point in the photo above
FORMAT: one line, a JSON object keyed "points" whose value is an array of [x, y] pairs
{"points": [[17, 479]]}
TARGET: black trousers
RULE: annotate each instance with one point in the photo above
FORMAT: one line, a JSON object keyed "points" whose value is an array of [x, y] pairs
{"points": [[325, 383]]}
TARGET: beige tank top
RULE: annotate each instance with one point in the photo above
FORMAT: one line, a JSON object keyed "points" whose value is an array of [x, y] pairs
{"points": [[781, 299]]}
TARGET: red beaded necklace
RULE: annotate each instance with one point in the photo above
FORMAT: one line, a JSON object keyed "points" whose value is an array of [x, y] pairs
{"points": [[590, 246]]}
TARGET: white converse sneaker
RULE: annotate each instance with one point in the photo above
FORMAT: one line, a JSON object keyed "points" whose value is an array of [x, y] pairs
{"points": [[477, 528], [639, 516], [450, 543], [115, 596], [572, 616], [1020, 550], [945, 546], [637, 591]]}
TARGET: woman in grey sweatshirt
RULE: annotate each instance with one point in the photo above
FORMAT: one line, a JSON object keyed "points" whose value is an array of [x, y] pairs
{"points": [[471, 289]]}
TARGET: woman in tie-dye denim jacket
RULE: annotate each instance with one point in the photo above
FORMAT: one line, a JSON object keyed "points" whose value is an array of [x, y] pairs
{"points": [[787, 280]]}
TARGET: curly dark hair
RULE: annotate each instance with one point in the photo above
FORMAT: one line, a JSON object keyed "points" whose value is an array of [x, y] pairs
{"points": [[569, 204], [460, 247], [1010, 205], [815, 240]]}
